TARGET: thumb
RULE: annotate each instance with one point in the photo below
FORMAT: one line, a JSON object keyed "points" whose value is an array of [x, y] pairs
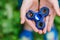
{"points": [[56, 6], [24, 8]]}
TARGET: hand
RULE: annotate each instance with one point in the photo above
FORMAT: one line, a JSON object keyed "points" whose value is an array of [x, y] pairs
{"points": [[33, 5], [54, 9], [27, 5]]}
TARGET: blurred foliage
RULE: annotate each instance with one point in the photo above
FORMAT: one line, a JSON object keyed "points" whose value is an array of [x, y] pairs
{"points": [[10, 26]]}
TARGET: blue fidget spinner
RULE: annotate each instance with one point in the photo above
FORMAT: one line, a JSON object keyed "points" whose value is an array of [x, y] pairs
{"points": [[38, 17]]}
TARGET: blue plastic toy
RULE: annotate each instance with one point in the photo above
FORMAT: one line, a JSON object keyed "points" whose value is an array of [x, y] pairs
{"points": [[38, 17]]}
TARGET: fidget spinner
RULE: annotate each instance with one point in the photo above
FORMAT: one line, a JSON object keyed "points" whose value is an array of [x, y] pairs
{"points": [[38, 17]]}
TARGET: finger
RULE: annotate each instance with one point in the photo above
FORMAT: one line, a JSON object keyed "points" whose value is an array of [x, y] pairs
{"points": [[51, 20], [40, 31], [32, 25], [50, 23], [22, 15], [56, 6], [46, 22], [24, 9]]}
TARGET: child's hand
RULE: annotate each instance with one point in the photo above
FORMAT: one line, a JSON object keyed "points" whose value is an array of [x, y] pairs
{"points": [[33, 4], [54, 9], [27, 5]]}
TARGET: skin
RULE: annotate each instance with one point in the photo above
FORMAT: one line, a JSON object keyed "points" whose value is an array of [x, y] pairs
{"points": [[33, 5]]}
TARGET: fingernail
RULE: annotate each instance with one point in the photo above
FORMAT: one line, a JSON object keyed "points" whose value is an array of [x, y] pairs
{"points": [[44, 32], [40, 32], [36, 31], [22, 22]]}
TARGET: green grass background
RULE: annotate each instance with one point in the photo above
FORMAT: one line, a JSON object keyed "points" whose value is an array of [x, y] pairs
{"points": [[10, 26]]}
